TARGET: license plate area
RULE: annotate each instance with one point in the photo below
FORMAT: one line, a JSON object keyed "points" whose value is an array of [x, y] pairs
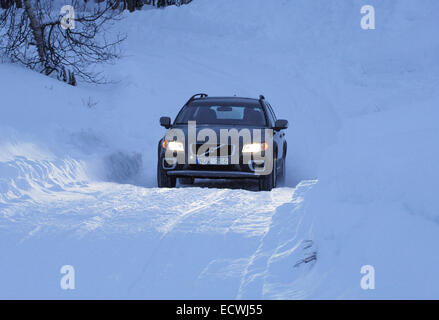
{"points": [[220, 161]]}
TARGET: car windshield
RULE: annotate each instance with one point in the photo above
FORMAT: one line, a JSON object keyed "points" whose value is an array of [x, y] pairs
{"points": [[228, 113]]}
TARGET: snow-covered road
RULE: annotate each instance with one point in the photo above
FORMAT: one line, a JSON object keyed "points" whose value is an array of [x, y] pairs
{"points": [[126, 241]]}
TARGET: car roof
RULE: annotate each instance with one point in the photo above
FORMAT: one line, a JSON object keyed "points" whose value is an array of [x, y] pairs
{"points": [[228, 99]]}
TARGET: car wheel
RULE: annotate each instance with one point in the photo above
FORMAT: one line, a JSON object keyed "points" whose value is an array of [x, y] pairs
{"points": [[163, 180], [189, 180], [269, 181]]}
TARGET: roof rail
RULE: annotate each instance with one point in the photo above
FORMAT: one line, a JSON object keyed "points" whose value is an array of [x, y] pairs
{"points": [[197, 96], [261, 97]]}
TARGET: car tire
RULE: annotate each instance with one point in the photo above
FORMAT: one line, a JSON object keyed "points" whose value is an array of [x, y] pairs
{"points": [[188, 180], [163, 180], [269, 181]]}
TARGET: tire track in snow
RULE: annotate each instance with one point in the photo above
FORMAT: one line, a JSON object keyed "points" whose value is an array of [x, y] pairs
{"points": [[168, 229], [215, 198]]}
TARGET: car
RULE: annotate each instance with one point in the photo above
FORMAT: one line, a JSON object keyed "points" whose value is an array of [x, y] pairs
{"points": [[251, 144]]}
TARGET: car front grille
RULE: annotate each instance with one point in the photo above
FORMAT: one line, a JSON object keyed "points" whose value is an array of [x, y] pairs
{"points": [[214, 149]]}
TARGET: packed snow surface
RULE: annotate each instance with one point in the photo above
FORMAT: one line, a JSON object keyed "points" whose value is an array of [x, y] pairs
{"points": [[77, 164]]}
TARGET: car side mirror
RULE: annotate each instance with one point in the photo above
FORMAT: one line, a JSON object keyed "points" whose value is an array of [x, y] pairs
{"points": [[280, 124], [165, 122]]}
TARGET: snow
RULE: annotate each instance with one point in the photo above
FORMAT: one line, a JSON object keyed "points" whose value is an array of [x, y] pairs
{"points": [[77, 164]]}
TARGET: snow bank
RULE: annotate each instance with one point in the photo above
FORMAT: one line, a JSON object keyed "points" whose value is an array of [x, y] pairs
{"points": [[77, 165], [375, 204]]}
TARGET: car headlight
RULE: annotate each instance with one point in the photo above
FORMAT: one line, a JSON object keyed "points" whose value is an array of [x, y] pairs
{"points": [[173, 145], [255, 147]]}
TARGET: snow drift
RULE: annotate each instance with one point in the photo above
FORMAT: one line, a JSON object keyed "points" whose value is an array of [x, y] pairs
{"points": [[77, 165]]}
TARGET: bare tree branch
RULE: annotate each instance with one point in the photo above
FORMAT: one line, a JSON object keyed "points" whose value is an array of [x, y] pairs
{"points": [[34, 37]]}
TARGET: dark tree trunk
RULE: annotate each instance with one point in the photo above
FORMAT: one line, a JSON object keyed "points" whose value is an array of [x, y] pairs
{"points": [[36, 30], [131, 5]]}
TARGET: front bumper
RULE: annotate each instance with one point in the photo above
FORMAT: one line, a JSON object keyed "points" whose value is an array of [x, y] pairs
{"points": [[213, 174]]}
